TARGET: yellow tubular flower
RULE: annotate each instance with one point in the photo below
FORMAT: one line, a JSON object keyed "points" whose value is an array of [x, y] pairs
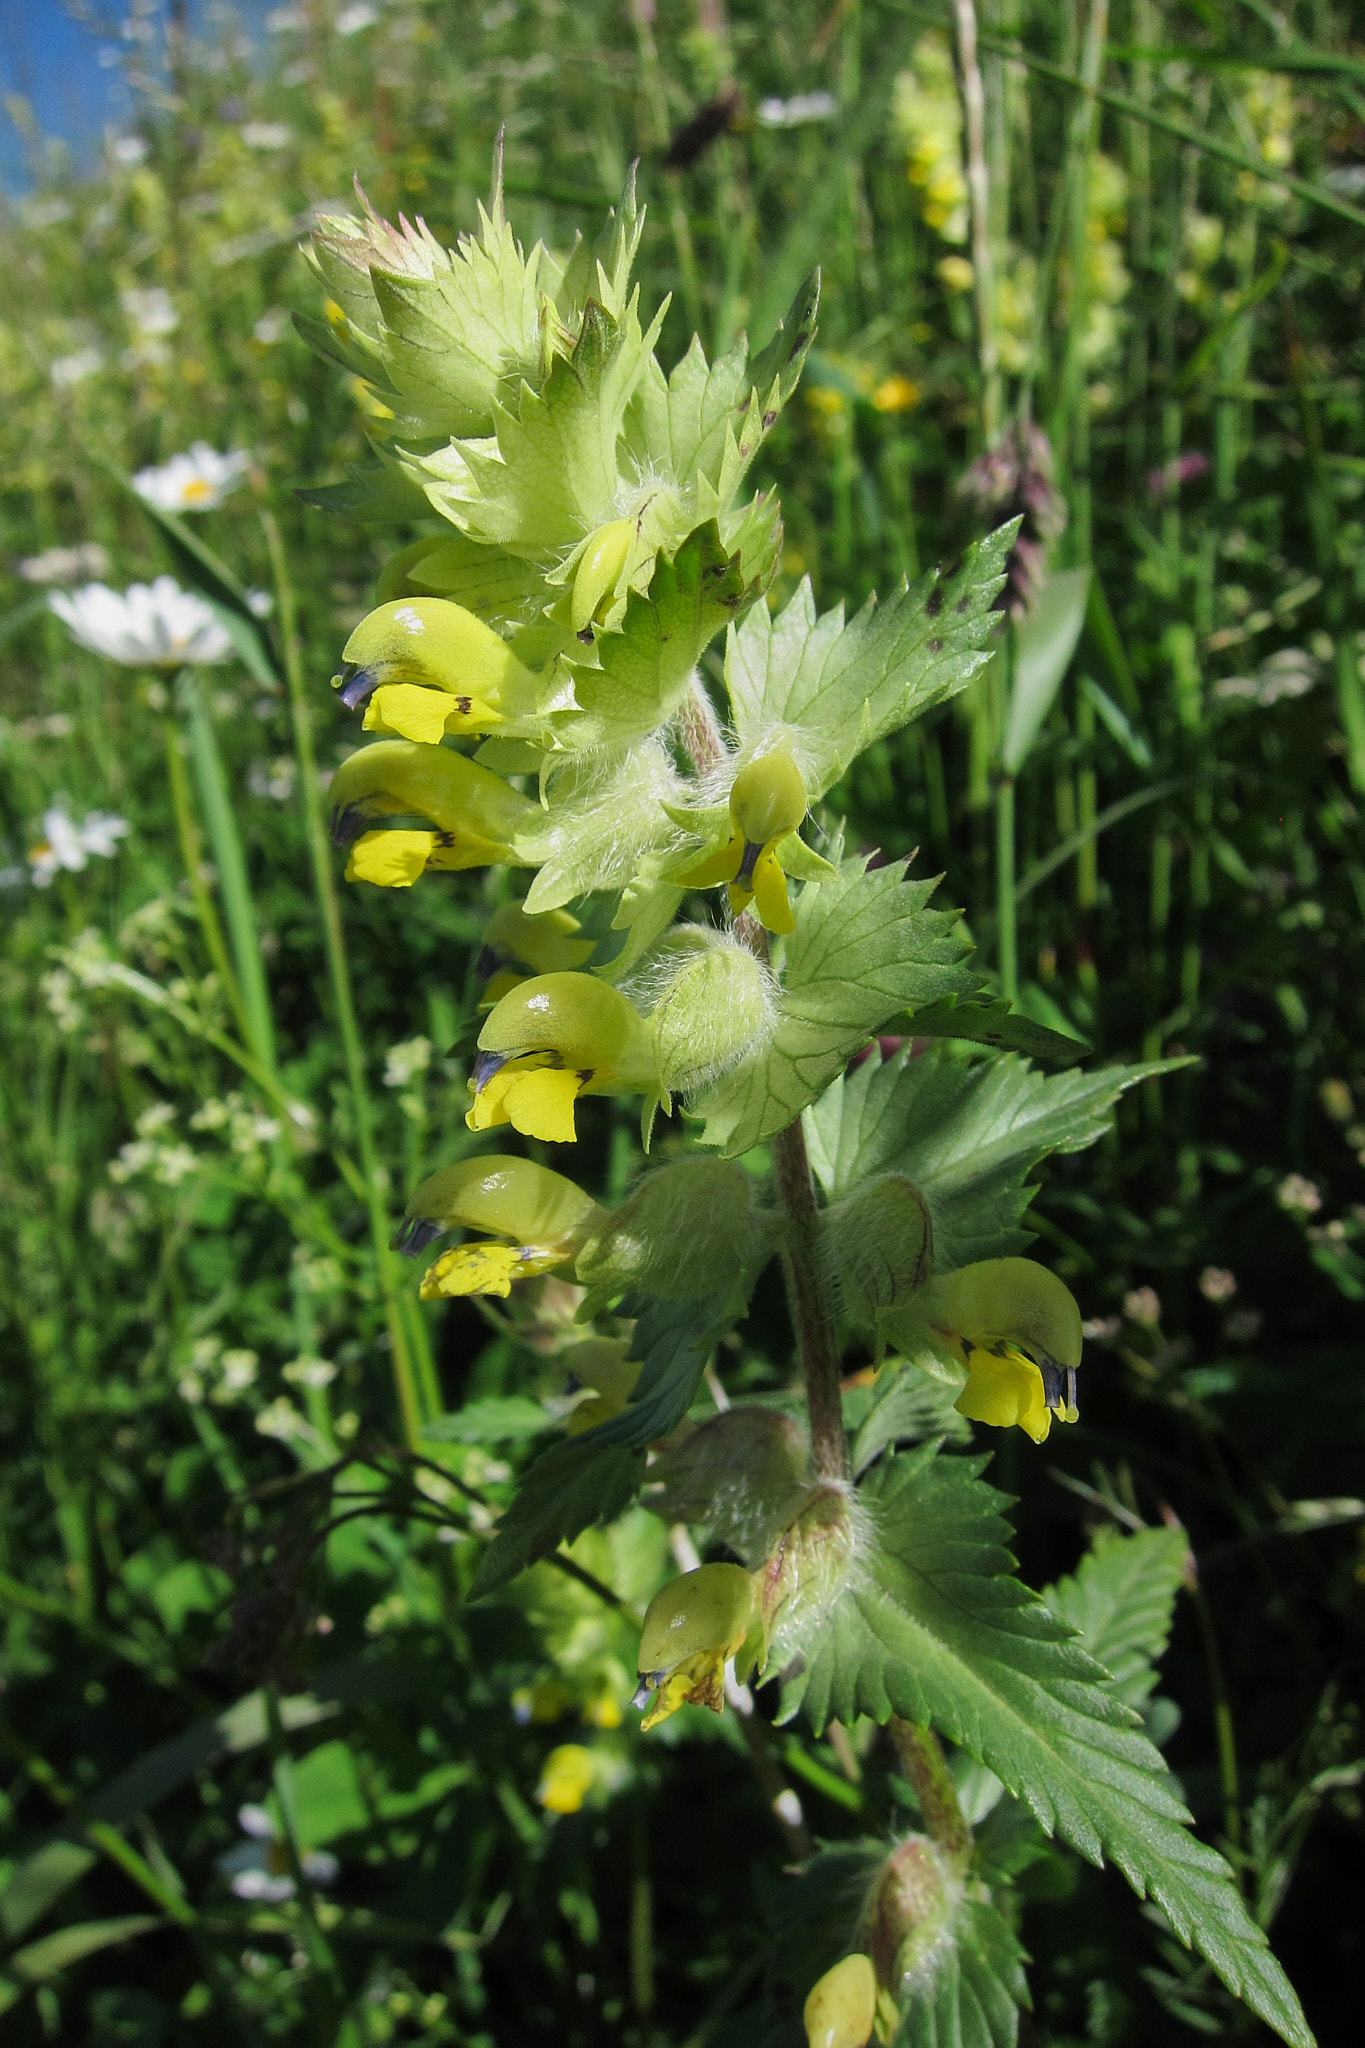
{"points": [[550, 1040], [429, 667], [1019, 1330], [473, 813], [538, 1218], [767, 804], [599, 572], [693, 1625], [842, 2009], [566, 1779], [516, 946]]}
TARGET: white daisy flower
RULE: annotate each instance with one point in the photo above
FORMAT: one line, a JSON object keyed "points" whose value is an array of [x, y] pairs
{"points": [[195, 482], [74, 369], [151, 625], [67, 845]]}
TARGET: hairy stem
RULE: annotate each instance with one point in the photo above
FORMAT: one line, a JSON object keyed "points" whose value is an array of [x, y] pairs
{"points": [[922, 1759], [810, 1310]]}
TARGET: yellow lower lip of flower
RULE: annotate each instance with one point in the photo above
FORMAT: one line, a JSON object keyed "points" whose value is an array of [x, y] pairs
{"points": [[537, 1100], [485, 1268], [1005, 1389], [721, 866], [566, 1779], [769, 893], [409, 711], [395, 857], [697, 1682]]}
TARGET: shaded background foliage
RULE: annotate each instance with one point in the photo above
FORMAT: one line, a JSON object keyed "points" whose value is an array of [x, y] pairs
{"points": [[1190, 877]]}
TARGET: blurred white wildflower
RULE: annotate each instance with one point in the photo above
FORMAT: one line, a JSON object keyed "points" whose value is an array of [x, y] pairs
{"points": [[266, 134], [195, 482], [173, 1164], [405, 1061], [154, 625], [798, 110], [1143, 1306], [75, 368], [1290, 672], [1101, 1329], [282, 1420], [1298, 1195], [59, 993], [273, 778], [353, 19], [309, 1372], [271, 327], [133, 1158], [151, 313], [281, 19], [130, 150], [158, 1116], [65, 565], [1216, 1283], [258, 1868], [65, 844]]}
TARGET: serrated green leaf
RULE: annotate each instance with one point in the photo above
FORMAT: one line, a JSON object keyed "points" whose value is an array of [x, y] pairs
{"points": [[643, 668], [864, 947], [1120, 1602], [496, 1419], [933, 1625], [966, 1133], [907, 1407], [992, 1021], [835, 687], [548, 472], [562, 1492], [674, 1339], [969, 1990]]}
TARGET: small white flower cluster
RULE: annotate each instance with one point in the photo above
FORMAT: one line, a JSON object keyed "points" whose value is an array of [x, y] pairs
{"points": [[169, 1161], [66, 845], [282, 1420], [272, 778], [246, 1128], [1142, 1305], [85, 964], [193, 482], [151, 313], [1290, 673], [405, 1061], [151, 625], [216, 1373], [1298, 1195], [266, 134], [309, 1371], [66, 371], [796, 112]]}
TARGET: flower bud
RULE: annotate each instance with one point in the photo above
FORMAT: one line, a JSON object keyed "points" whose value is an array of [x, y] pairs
{"points": [[473, 814], [431, 667], [692, 1626], [688, 1230], [716, 1008], [808, 1571], [842, 2008], [745, 1475], [910, 1907], [550, 1040], [599, 571], [542, 1214], [878, 1247], [1016, 1328]]}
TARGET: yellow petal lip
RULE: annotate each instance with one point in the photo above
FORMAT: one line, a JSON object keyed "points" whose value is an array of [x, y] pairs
{"points": [[486, 1268], [770, 894], [533, 1096], [391, 860], [1005, 1389], [410, 711], [721, 866]]}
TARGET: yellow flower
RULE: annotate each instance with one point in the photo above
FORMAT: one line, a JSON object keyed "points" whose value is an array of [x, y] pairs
{"points": [[767, 804], [550, 1040], [566, 1779], [472, 813], [692, 1627], [429, 667], [1018, 1330], [604, 556], [516, 945], [539, 1218], [895, 394]]}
